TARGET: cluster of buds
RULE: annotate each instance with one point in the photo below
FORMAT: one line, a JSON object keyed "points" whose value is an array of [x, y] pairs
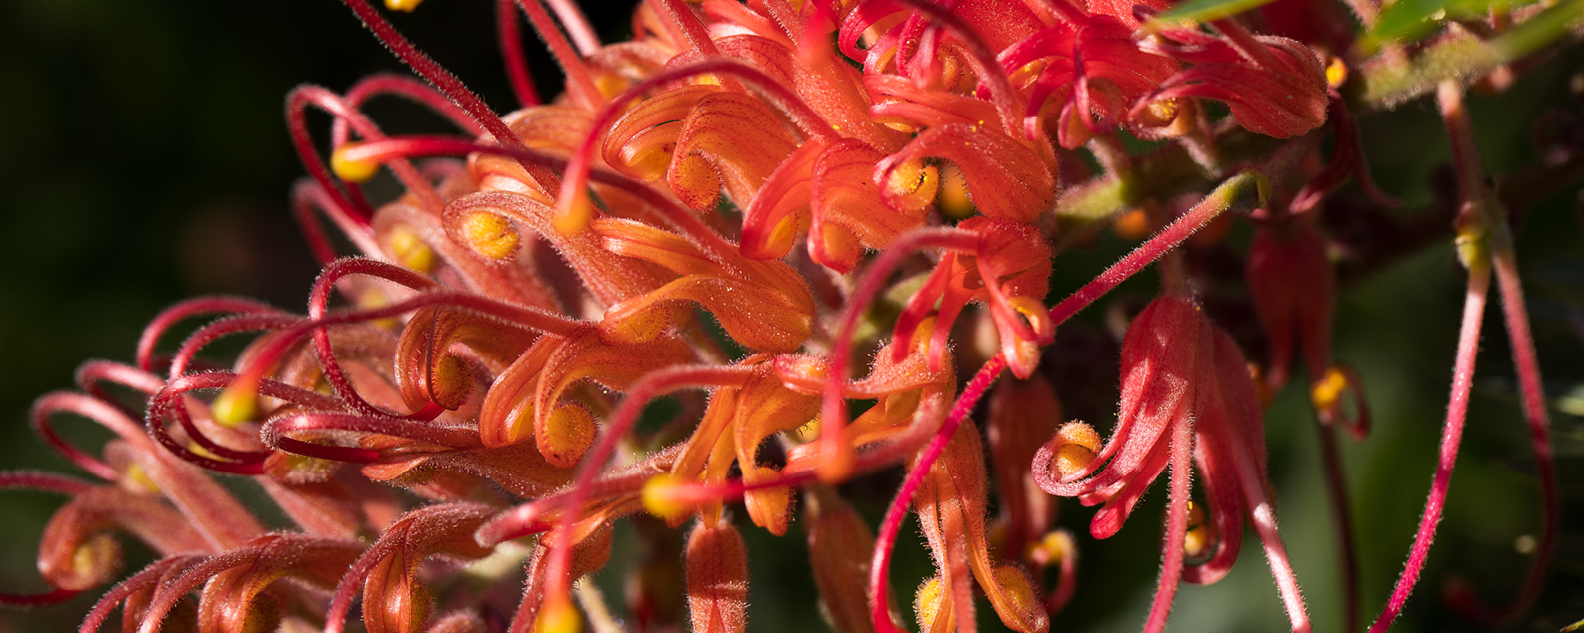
{"points": [[727, 213]]}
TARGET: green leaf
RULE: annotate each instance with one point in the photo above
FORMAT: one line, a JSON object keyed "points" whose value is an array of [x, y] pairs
{"points": [[1540, 30], [1409, 20], [1194, 11]]}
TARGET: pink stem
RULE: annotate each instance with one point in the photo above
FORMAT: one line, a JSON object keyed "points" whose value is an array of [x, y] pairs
{"points": [[43, 481], [880, 568], [99, 411], [980, 57], [148, 577], [348, 114], [1222, 199], [1457, 412], [1176, 524], [1342, 523], [1492, 218], [836, 457], [343, 195], [183, 310], [318, 305], [1534, 407], [1264, 518], [511, 49], [577, 26], [446, 82], [578, 82], [407, 88]]}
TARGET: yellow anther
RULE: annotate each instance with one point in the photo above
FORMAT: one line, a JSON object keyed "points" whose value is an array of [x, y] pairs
{"points": [[370, 299], [576, 218], [1325, 392], [353, 170], [490, 235], [1197, 540], [404, 6], [450, 382], [411, 251], [137, 479], [1336, 72], [927, 603], [1132, 225], [566, 436], [660, 497], [954, 202], [913, 184], [610, 84], [1051, 549], [1160, 112], [237, 404], [559, 616], [1079, 443]]}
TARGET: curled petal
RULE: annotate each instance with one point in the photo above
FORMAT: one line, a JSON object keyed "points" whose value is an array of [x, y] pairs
{"points": [[428, 370], [1285, 99], [640, 144], [1006, 179], [729, 140]]}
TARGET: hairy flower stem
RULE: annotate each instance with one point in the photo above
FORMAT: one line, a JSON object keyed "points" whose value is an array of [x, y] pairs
{"points": [[1264, 518], [579, 84], [1176, 526], [1342, 524], [1505, 262], [510, 37], [1457, 412]]}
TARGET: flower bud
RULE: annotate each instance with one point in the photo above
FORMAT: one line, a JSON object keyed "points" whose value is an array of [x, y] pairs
{"points": [[717, 579], [840, 548]]}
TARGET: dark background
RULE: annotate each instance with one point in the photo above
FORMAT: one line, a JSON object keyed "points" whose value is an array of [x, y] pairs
{"points": [[143, 158]]}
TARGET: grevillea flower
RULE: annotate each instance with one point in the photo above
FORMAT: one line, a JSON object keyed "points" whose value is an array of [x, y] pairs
{"points": [[1187, 398], [597, 311]]}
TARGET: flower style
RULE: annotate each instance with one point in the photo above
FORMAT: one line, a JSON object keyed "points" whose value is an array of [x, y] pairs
{"points": [[597, 310]]}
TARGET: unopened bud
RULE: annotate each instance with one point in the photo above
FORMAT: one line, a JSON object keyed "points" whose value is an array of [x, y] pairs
{"points": [[717, 579]]}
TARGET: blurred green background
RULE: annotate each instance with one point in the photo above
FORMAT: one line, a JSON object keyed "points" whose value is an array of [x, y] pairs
{"points": [[144, 159]]}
